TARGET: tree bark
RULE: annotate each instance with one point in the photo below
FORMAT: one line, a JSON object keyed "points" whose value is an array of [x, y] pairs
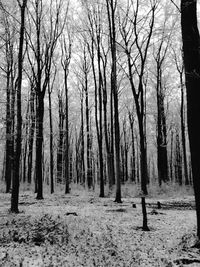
{"points": [[111, 10], [15, 188], [162, 158], [8, 165], [31, 135], [191, 44], [183, 135], [60, 140], [39, 143], [51, 142]]}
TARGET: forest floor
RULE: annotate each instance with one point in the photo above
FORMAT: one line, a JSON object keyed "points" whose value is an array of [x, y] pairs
{"points": [[81, 229]]}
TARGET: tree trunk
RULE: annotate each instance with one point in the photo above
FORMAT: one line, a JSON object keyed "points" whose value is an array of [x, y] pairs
{"points": [[89, 167], [60, 141], [67, 189], [133, 157], [82, 146], [191, 43], [111, 9], [31, 135], [108, 143], [183, 131], [15, 188], [144, 212], [143, 156], [171, 156], [161, 134], [8, 165], [51, 143], [39, 144], [100, 125], [178, 161]]}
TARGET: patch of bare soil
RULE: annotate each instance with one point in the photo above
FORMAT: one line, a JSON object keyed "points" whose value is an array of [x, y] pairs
{"points": [[84, 230]]}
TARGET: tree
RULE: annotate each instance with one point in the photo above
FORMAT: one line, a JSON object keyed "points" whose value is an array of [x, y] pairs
{"points": [[84, 80], [9, 39], [180, 69], [162, 159], [191, 56], [65, 62], [42, 46], [61, 116], [108, 131], [136, 31], [51, 163], [94, 17], [111, 12], [133, 154], [31, 131], [15, 187]]}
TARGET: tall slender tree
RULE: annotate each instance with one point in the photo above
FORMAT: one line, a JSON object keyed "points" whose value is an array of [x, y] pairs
{"points": [[65, 62], [180, 69], [15, 183], [10, 72], [191, 56], [162, 159], [111, 12], [51, 163], [136, 43], [43, 46]]}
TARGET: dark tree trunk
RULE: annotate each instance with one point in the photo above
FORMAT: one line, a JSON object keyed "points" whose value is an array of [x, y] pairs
{"points": [[87, 116], [108, 143], [161, 134], [65, 61], [143, 154], [15, 187], [139, 103], [86, 69], [111, 10], [100, 125], [25, 148], [51, 143], [133, 157], [191, 44], [39, 143], [60, 141], [178, 161], [31, 135], [126, 150], [112, 156], [144, 212], [67, 189], [171, 156], [183, 131], [82, 158], [9, 133], [10, 102]]}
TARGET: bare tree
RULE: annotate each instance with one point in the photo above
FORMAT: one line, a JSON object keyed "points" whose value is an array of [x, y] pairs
{"points": [[136, 31], [60, 140], [111, 12], [51, 163], [65, 62], [42, 45], [160, 54], [180, 69], [8, 24], [94, 27], [15, 183], [191, 42]]}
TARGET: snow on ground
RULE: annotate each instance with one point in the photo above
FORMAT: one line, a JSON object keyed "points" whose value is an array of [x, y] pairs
{"points": [[84, 230]]}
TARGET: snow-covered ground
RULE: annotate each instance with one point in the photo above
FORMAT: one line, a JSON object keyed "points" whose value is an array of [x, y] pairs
{"points": [[81, 229]]}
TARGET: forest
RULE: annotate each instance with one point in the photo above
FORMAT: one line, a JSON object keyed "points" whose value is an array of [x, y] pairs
{"points": [[99, 133]]}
